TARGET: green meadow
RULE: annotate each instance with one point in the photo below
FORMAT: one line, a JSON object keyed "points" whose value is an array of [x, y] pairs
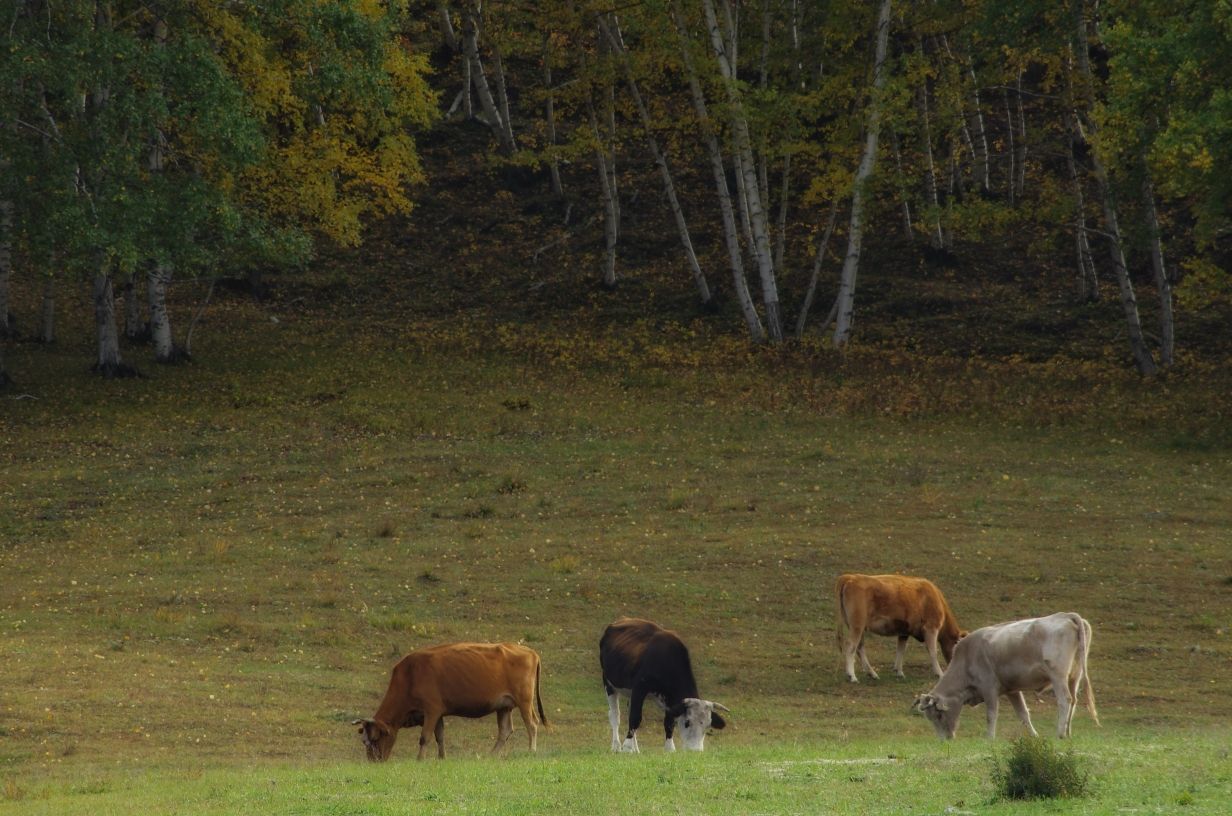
{"points": [[207, 572]]}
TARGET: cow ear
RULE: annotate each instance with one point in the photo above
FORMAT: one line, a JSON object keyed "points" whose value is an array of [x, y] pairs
{"points": [[716, 721], [940, 704], [676, 711]]}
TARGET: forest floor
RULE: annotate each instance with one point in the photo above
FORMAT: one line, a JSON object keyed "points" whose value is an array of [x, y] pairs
{"points": [[207, 572]]}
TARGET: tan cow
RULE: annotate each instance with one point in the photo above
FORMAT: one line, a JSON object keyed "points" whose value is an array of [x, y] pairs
{"points": [[895, 606], [456, 679], [1008, 659]]}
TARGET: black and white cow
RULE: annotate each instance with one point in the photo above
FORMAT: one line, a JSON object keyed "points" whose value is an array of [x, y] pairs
{"points": [[641, 659]]}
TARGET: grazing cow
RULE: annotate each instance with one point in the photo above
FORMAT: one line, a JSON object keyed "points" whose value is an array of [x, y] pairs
{"points": [[1010, 658], [641, 659], [456, 679], [896, 606]]}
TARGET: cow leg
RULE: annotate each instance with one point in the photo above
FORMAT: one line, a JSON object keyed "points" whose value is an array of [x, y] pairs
{"points": [[898, 655], [504, 727], [439, 733], [930, 640], [613, 718], [669, 724], [528, 719], [636, 698], [849, 656], [1065, 705], [433, 724], [991, 702], [864, 659], [1019, 702]]}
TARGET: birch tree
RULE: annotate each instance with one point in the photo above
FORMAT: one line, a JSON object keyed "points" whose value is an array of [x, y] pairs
{"points": [[1112, 229], [611, 31], [714, 152], [855, 232], [724, 53]]}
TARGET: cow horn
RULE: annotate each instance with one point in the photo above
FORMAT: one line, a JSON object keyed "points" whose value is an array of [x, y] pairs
{"points": [[721, 707]]}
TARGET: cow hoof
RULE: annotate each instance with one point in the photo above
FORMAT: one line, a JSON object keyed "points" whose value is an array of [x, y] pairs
{"points": [[853, 678]]}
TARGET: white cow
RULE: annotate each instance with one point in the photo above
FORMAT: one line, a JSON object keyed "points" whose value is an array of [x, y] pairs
{"points": [[1008, 659]]}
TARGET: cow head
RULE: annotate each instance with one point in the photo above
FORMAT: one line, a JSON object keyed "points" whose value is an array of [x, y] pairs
{"points": [[378, 738], [693, 718], [941, 712]]}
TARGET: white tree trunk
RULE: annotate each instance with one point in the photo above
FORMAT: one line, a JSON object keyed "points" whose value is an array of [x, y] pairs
{"points": [[1116, 251], [748, 174], [612, 32], [447, 31], [47, 326], [135, 329], [109, 362], [780, 232], [1011, 151], [855, 233], [1022, 139], [1088, 281], [982, 162], [160, 324], [1167, 327], [611, 209], [550, 114], [470, 45], [908, 232], [502, 95], [822, 246], [936, 234], [6, 265], [731, 235]]}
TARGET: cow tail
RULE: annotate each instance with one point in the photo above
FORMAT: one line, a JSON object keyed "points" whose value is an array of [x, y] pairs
{"points": [[1084, 645], [539, 700], [840, 614]]}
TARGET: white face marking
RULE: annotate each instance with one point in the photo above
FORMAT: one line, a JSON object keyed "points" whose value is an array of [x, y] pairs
{"points": [[694, 722]]}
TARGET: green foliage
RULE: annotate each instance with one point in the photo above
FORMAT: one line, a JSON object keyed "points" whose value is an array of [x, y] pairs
{"points": [[210, 134], [1032, 768]]}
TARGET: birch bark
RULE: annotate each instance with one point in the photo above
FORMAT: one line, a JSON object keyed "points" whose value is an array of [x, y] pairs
{"points": [[1116, 251], [748, 173], [135, 329], [1088, 282], [47, 326], [6, 265], [1022, 139], [855, 233], [612, 31], [731, 236], [470, 45], [936, 234], [109, 363], [1167, 326], [611, 211], [822, 246], [558, 189]]}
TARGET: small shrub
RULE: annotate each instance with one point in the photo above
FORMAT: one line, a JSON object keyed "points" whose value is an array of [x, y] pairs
{"points": [[510, 485], [1034, 769], [565, 565]]}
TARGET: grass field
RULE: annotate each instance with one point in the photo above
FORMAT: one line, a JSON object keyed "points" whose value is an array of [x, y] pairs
{"points": [[205, 574]]}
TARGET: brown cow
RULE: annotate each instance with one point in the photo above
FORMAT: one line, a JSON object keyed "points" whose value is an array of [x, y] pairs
{"points": [[456, 679], [896, 606]]}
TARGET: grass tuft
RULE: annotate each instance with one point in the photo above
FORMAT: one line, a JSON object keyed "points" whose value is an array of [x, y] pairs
{"points": [[1034, 769]]}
